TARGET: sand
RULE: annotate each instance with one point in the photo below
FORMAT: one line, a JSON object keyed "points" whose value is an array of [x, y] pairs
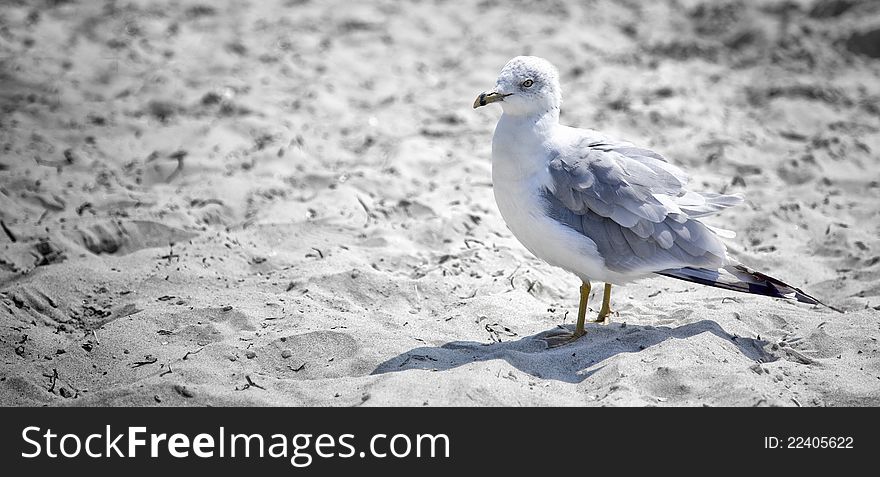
{"points": [[289, 203]]}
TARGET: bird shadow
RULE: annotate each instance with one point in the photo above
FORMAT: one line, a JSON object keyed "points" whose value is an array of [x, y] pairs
{"points": [[531, 354]]}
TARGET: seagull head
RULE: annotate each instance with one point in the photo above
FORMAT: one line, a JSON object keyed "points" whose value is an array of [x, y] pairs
{"points": [[526, 85]]}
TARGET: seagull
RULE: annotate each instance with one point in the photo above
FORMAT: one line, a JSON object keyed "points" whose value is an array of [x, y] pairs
{"points": [[603, 209]]}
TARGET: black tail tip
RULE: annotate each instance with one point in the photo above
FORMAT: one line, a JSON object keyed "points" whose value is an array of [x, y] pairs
{"points": [[804, 298]]}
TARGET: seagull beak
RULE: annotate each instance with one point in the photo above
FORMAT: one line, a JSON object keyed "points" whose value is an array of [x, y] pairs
{"points": [[490, 97]]}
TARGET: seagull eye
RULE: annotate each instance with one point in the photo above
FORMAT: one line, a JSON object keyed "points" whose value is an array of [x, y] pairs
{"points": [[527, 83]]}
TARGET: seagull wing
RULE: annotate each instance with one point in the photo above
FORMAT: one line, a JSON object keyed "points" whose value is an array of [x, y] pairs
{"points": [[637, 209], [635, 206]]}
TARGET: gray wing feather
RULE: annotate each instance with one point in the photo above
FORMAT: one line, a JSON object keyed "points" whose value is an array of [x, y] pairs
{"points": [[709, 203], [663, 235], [635, 207]]}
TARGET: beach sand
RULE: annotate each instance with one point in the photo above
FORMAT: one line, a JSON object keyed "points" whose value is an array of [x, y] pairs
{"points": [[290, 203]]}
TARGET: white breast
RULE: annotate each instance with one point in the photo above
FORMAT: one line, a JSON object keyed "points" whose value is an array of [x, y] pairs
{"points": [[519, 177]]}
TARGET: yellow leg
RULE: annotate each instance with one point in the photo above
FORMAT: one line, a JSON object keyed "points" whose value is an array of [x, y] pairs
{"points": [[560, 339], [605, 312], [582, 311]]}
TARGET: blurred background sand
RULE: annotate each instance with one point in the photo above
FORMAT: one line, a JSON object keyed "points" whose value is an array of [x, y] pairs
{"points": [[289, 203]]}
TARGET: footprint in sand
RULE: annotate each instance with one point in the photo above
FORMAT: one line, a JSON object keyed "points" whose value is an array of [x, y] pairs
{"points": [[124, 237], [313, 355]]}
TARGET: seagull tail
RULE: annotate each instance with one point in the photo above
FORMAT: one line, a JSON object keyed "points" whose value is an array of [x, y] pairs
{"points": [[739, 278]]}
